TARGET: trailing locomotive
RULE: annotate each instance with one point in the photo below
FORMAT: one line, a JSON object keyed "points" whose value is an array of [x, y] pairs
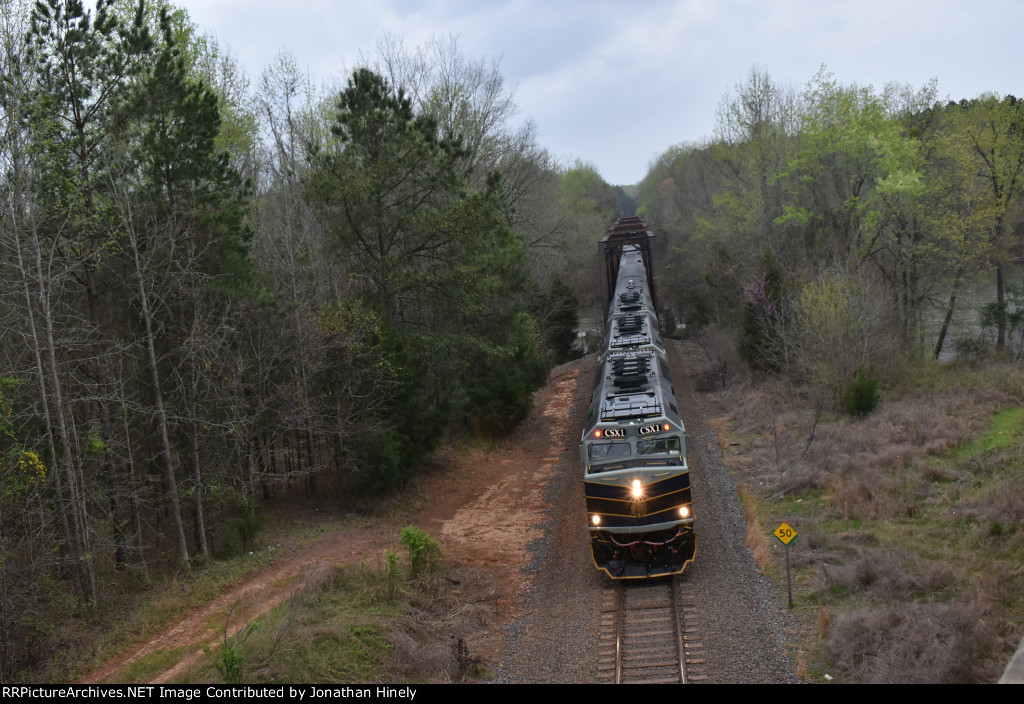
{"points": [[636, 476]]}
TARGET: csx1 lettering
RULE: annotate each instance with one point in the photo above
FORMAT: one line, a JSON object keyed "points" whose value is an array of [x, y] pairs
{"points": [[640, 514]]}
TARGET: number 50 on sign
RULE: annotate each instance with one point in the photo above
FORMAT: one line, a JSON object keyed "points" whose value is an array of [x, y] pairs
{"points": [[785, 534]]}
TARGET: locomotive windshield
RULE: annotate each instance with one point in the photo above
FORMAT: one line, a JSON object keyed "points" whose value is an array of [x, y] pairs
{"points": [[658, 446], [633, 447], [600, 451]]}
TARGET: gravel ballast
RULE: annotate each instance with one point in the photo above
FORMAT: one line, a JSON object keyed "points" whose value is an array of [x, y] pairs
{"points": [[741, 616]]}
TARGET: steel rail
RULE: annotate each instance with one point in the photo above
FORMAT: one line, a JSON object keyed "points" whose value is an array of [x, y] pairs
{"points": [[619, 617], [647, 630]]}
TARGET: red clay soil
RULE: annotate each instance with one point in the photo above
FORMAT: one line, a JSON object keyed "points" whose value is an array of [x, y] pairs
{"points": [[484, 509]]}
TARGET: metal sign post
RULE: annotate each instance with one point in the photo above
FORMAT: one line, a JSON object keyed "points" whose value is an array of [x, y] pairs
{"points": [[787, 535]]}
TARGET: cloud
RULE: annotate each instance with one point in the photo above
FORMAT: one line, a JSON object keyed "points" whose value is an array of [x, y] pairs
{"points": [[615, 83]]}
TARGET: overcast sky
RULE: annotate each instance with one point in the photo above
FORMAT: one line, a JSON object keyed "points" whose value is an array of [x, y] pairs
{"points": [[617, 83]]}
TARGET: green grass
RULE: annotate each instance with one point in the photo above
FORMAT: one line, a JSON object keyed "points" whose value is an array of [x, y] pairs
{"points": [[479, 672], [146, 668], [1005, 431], [307, 535], [203, 585], [950, 534], [800, 505], [334, 629], [172, 600]]}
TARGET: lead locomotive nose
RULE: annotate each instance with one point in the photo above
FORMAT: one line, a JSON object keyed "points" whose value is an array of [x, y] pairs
{"points": [[636, 475]]}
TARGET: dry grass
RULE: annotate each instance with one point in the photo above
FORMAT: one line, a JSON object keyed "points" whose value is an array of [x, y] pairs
{"points": [[1002, 503], [905, 644], [436, 637], [891, 575], [754, 537], [911, 522], [872, 466], [721, 434]]}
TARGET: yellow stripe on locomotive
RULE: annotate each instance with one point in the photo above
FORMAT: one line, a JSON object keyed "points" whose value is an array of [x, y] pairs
{"points": [[636, 475]]}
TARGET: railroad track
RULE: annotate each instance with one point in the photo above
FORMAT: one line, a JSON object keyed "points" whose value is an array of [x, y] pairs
{"points": [[648, 634]]}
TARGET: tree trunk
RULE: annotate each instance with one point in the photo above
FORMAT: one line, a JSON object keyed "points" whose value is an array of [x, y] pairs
{"points": [[946, 319], [161, 415], [70, 543], [1000, 308], [78, 513], [193, 448]]}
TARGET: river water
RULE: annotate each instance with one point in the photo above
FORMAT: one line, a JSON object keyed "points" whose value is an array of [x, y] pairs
{"points": [[966, 332]]}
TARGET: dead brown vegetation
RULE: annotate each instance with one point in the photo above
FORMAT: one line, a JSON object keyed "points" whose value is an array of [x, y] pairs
{"points": [[890, 574], [753, 536], [723, 365], [906, 643], [434, 638], [869, 465], [721, 434], [910, 547]]}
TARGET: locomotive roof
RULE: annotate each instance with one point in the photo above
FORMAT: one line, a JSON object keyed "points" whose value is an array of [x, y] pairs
{"points": [[632, 293], [632, 332], [628, 234], [633, 385], [632, 321]]}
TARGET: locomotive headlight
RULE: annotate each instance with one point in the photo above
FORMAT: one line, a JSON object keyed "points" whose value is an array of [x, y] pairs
{"points": [[684, 511], [638, 489], [595, 519]]}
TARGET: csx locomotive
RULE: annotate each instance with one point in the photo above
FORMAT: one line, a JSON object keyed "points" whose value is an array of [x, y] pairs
{"points": [[636, 475]]}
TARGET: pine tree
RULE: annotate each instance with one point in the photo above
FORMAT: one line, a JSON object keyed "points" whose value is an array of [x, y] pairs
{"points": [[188, 225], [439, 261], [83, 63]]}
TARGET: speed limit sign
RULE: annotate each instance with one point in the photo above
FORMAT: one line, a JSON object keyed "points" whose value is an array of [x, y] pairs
{"points": [[785, 533]]}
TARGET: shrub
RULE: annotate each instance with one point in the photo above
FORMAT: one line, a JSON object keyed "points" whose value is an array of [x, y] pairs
{"points": [[248, 524], [499, 393], [387, 454], [424, 551], [840, 327], [555, 310], [906, 644], [861, 396]]}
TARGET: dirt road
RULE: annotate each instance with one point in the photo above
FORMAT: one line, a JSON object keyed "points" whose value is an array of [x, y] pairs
{"points": [[486, 509], [514, 517]]}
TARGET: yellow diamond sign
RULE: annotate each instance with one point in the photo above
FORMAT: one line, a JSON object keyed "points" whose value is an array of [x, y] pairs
{"points": [[785, 533]]}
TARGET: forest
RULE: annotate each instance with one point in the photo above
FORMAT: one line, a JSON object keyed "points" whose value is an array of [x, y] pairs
{"points": [[218, 291], [827, 227], [852, 260]]}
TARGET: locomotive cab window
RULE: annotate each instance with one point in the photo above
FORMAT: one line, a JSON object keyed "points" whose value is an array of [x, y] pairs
{"points": [[600, 451], [659, 446], [635, 474]]}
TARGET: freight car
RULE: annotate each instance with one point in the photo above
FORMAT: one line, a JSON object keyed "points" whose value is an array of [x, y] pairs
{"points": [[634, 447]]}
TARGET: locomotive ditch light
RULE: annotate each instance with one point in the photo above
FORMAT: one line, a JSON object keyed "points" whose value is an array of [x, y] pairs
{"points": [[638, 489], [595, 519], [684, 511], [597, 433]]}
